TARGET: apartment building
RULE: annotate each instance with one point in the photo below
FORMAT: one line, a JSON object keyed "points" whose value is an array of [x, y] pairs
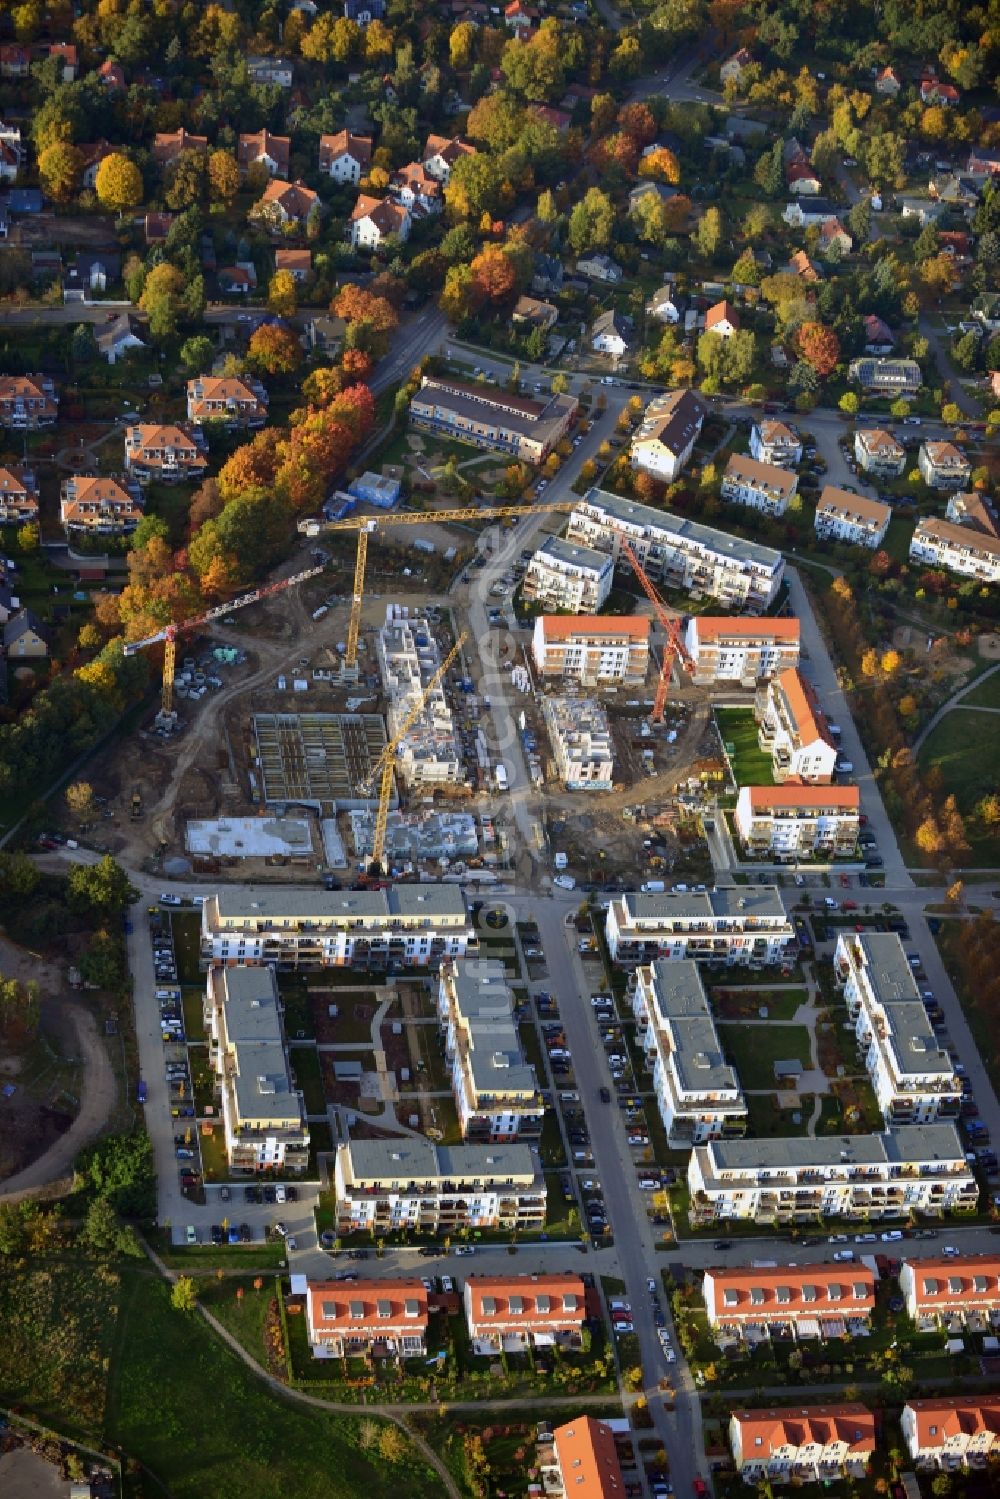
{"points": [[596, 650], [512, 1313], [496, 1090], [384, 1186], [665, 439], [406, 925], [775, 442], [373, 1319], [803, 1444], [430, 753], [744, 651], [878, 453], [236, 401], [697, 1091], [99, 505], [263, 1113], [679, 552], [974, 510], [565, 575], [526, 427], [895, 377], [952, 1432], [18, 496], [586, 1462], [793, 728], [580, 735], [960, 548], [166, 453], [943, 466], [757, 1302], [798, 822], [918, 1168], [913, 1076], [744, 924], [942, 1291], [759, 486], [28, 402], [843, 516]]}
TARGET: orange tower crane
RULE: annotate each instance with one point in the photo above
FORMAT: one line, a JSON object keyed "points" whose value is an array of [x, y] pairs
{"points": [[673, 647]]}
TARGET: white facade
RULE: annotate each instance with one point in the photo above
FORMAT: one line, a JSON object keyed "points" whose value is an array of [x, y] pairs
{"points": [[775, 442], [794, 729], [802, 1444], [735, 649], [960, 549], [496, 1091], [952, 1433], [697, 1092], [913, 1077], [581, 743], [918, 1168], [408, 656], [943, 466], [744, 924], [843, 516], [878, 453], [789, 822], [562, 575], [665, 440], [759, 486], [592, 649]]}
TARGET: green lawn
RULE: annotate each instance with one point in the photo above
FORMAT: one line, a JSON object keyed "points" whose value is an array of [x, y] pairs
{"points": [[781, 1004], [193, 1004], [768, 1122], [185, 927], [966, 746], [309, 1077], [754, 1049], [986, 695], [751, 765]]}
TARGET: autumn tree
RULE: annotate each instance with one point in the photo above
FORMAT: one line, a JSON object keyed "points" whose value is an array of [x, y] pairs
{"points": [[162, 299], [60, 167], [929, 838], [81, 801], [707, 233], [591, 222], [223, 176], [493, 274], [638, 121], [461, 46], [890, 662], [253, 465], [274, 351], [281, 293], [118, 183], [819, 347], [184, 1294], [662, 165]]}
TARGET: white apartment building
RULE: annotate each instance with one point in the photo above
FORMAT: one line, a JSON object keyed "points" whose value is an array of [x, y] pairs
{"points": [[943, 466], [596, 650], [263, 1112], [741, 650], [680, 553], [383, 1186], [792, 822], [913, 1076], [697, 1091], [408, 656], [918, 1168], [960, 549], [665, 439], [406, 925], [752, 1303], [793, 727], [744, 924], [759, 486], [580, 736], [565, 575], [775, 442], [496, 1091], [803, 1443], [843, 516], [878, 453], [952, 1432]]}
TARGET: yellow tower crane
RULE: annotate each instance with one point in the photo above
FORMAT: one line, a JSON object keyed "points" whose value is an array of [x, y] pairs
{"points": [[367, 525], [386, 761]]}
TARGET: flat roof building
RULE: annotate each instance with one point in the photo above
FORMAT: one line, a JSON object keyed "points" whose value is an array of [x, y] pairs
{"points": [[744, 924], [564, 575], [495, 1088], [580, 735], [408, 656]]}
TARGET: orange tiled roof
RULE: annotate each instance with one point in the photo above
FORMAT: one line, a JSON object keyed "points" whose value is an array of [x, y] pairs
{"points": [[353, 1306], [833, 1287], [950, 1416], [712, 626], [566, 626], [827, 798], [588, 1460], [970, 1282], [721, 312], [807, 716], [528, 1301], [851, 1423]]}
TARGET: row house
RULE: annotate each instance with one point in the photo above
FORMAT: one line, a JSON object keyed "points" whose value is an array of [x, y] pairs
{"points": [[844, 516], [664, 441], [561, 575], [514, 1313], [409, 1184], [745, 924], [803, 1444], [525, 427], [743, 651], [952, 1293], [879, 453], [18, 496], [411, 925], [775, 442], [580, 735], [28, 402], [166, 453], [912, 1075], [595, 650], [697, 1091], [495, 1089], [585, 1462], [373, 220], [917, 1168], [952, 1433], [759, 486], [960, 548], [263, 1111], [793, 729], [943, 466], [345, 157], [262, 149], [679, 552], [373, 1319], [99, 505], [798, 822], [752, 1304], [236, 401]]}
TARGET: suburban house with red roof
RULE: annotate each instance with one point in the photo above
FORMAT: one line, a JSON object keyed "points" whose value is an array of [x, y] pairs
{"points": [[933, 91], [962, 1292], [373, 220], [510, 1313], [168, 145], [99, 505], [345, 156], [775, 442], [28, 402], [752, 1304], [284, 203], [790, 821], [368, 1318], [264, 149], [167, 452], [441, 154], [879, 453], [793, 727], [888, 82], [18, 497], [722, 319], [952, 1432], [735, 648], [236, 400], [585, 1462], [298, 262], [808, 1444]]}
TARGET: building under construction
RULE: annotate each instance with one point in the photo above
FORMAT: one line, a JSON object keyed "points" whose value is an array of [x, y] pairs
{"points": [[318, 760], [408, 657]]}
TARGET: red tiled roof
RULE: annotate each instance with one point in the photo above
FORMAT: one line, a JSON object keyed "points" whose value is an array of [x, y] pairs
{"points": [[588, 1460], [807, 716], [721, 312], [353, 1306], [938, 1420], [825, 798], [567, 626], [525, 1301], [833, 1285], [940, 1284], [799, 1426], [712, 626]]}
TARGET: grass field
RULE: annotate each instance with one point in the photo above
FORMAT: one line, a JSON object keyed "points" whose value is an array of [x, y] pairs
{"points": [[768, 1122], [986, 695], [751, 765], [309, 1077], [966, 746], [754, 1049]]}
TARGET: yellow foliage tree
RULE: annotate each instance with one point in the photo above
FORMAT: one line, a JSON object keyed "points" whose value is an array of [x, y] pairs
{"points": [[281, 293], [869, 663], [890, 662], [118, 183]]}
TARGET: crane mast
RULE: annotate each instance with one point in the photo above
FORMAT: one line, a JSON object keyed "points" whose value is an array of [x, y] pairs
{"points": [[673, 645]]}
